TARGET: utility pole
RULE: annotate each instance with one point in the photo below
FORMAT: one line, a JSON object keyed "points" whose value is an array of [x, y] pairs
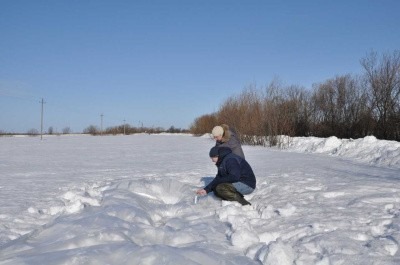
{"points": [[101, 125], [124, 127], [41, 120], [141, 124]]}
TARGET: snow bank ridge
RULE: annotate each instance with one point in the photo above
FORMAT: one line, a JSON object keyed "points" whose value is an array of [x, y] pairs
{"points": [[368, 149]]}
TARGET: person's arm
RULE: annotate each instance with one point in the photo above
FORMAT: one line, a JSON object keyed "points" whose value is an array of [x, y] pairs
{"points": [[233, 175]]}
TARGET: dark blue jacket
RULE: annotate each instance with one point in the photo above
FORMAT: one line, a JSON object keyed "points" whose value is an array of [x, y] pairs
{"points": [[231, 168]]}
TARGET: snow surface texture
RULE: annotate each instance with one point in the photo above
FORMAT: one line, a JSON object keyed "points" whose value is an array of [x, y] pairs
{"points": [[131, 200]]}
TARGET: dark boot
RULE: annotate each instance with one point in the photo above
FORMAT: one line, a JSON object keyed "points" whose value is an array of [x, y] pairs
{"points": [[242, 200], [227, 191]]}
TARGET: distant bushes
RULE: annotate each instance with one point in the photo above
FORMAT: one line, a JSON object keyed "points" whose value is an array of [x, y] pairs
{"points": [[95, 130], [203, 124], [128, 129], [344, 106]]}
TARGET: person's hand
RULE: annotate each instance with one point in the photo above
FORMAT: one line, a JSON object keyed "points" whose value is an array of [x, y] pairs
{"points": [[201, 192]]}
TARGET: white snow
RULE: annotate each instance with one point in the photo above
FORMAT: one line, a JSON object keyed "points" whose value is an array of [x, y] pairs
{"points": [[131, 200]]}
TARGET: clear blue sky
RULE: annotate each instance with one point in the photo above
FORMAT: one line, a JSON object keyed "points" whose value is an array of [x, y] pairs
{"points": [[164, 63]]}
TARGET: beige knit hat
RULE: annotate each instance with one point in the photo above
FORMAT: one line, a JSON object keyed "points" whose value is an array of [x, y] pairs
{"points": [[217, 131]]}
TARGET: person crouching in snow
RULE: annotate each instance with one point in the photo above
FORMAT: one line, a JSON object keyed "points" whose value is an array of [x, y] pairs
{"points": [[234, 179]]}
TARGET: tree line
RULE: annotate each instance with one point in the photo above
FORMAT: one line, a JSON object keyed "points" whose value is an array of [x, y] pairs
{"points": [[95, 130], [128, 129], [345, 106]]}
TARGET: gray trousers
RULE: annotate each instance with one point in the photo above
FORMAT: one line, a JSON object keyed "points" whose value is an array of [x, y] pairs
{"points": [[242, 188]]}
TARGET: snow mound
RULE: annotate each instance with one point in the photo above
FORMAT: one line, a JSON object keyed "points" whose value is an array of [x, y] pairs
{"points": [[368, 149], [278, 253]]}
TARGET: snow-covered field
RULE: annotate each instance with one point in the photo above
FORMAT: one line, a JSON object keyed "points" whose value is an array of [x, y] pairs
{"points": [[130, 200]]}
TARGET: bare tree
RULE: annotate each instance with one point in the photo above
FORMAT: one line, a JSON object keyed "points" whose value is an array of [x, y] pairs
{"points": [[92, 129], [383, 77], [33, 132], [203, 124], [278, 113], [300, 98], [66, 130]]}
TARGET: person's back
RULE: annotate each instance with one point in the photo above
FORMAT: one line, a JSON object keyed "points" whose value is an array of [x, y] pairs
{"points": [[227, 137], [228, 164]]}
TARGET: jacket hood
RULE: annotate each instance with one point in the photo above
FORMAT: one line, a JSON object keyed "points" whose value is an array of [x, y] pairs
{"points": [[222, 152], [227, 133]]}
